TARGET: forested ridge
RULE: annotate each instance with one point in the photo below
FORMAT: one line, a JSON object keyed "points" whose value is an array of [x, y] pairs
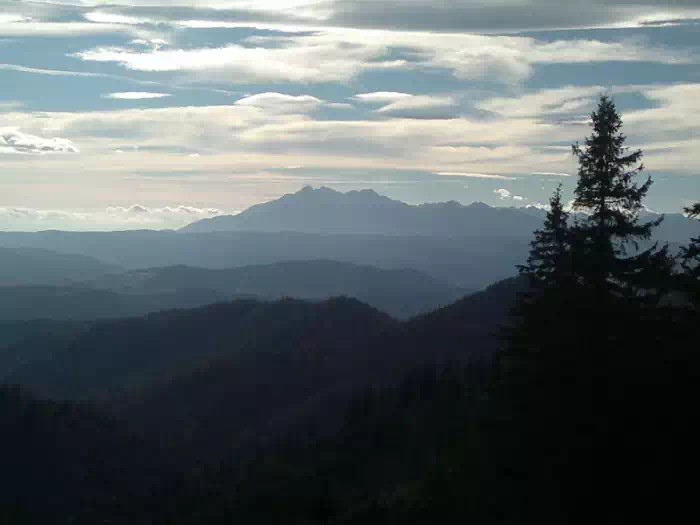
{"points": [[566, 395]]}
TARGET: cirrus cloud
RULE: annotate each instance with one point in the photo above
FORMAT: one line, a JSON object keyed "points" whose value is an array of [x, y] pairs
{"points": [[340, 55], [136, 95]]}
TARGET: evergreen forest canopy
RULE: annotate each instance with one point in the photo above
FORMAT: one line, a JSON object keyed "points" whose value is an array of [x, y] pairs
{"points": [[566, 395]]}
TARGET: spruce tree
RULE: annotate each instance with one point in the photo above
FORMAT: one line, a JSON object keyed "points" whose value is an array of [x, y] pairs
{"points": [[549, 263], [608, 193], [583, 349], [550, 280], [690, 260]]}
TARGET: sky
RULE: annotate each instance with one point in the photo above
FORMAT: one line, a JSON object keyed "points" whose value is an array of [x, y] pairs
{"points": [[151, 114]]}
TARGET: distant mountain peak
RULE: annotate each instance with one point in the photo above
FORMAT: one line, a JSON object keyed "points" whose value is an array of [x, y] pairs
{"points": [[308, 190], [325, 210], [478, 205]]}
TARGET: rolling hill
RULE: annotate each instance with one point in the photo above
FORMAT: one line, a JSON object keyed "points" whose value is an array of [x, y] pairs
{"points": [[401, 293], [35, 265]]}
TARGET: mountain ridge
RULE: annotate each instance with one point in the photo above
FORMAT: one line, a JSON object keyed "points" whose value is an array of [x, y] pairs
{"points": [[327, 211]]}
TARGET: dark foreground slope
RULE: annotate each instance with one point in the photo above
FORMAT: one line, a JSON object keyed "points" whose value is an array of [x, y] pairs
{"points": [[111, 358], [215, 387], [304, 413], [67, 463]]}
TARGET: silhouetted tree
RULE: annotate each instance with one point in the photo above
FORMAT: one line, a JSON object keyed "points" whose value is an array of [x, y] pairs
{"points": [[549, 263], [550, 278], [690, 260], [574, 399], [612, 199]]}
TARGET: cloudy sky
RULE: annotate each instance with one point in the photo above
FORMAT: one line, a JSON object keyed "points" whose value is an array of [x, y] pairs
{"points": [[153, 113]]}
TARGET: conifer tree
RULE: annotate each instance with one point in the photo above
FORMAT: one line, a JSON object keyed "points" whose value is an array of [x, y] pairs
{"points": [[549, 263], [579, 328], [607, 191], [690, 260], [550, 278]]}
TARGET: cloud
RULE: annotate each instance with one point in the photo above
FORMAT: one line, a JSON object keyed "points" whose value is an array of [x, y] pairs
{"points": [[405, 15], [507, 195], [383, 97], [12, 140], [137, 209], [434, 16], [503, 193], [9, 18], [488, 16], [422, 106], [136, 95], [269, 130], [294, 60], [550, 102], [104, 17], [279, 103], [114, 217], [474, 175], [57, 29], [51, 72], [406, 105], [340, 55]]}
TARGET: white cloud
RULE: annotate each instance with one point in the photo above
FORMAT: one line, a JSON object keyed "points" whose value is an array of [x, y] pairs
{"points": [[383, 97], [280, 103], [296, 60], [152, 42], [114, 217], [103, 17], [548, 102], [507, 195], [422, 106], [273, 130], [136, 95], [339, 55], [138, 209], [31, 28], [50, 72], [503, 193], [9, 18], [12, 140], [409, 106], [474, 175]]}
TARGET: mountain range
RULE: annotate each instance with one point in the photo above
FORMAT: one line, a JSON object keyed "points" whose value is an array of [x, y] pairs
{"points": [[365, 212], [326, 211], [461, 248]]}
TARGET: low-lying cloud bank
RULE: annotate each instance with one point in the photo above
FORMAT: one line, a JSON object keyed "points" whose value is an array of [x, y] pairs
{"points": [[131, 217]]}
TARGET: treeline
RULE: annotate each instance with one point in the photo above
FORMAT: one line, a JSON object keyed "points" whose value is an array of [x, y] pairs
{"points": [[578, 407]]}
